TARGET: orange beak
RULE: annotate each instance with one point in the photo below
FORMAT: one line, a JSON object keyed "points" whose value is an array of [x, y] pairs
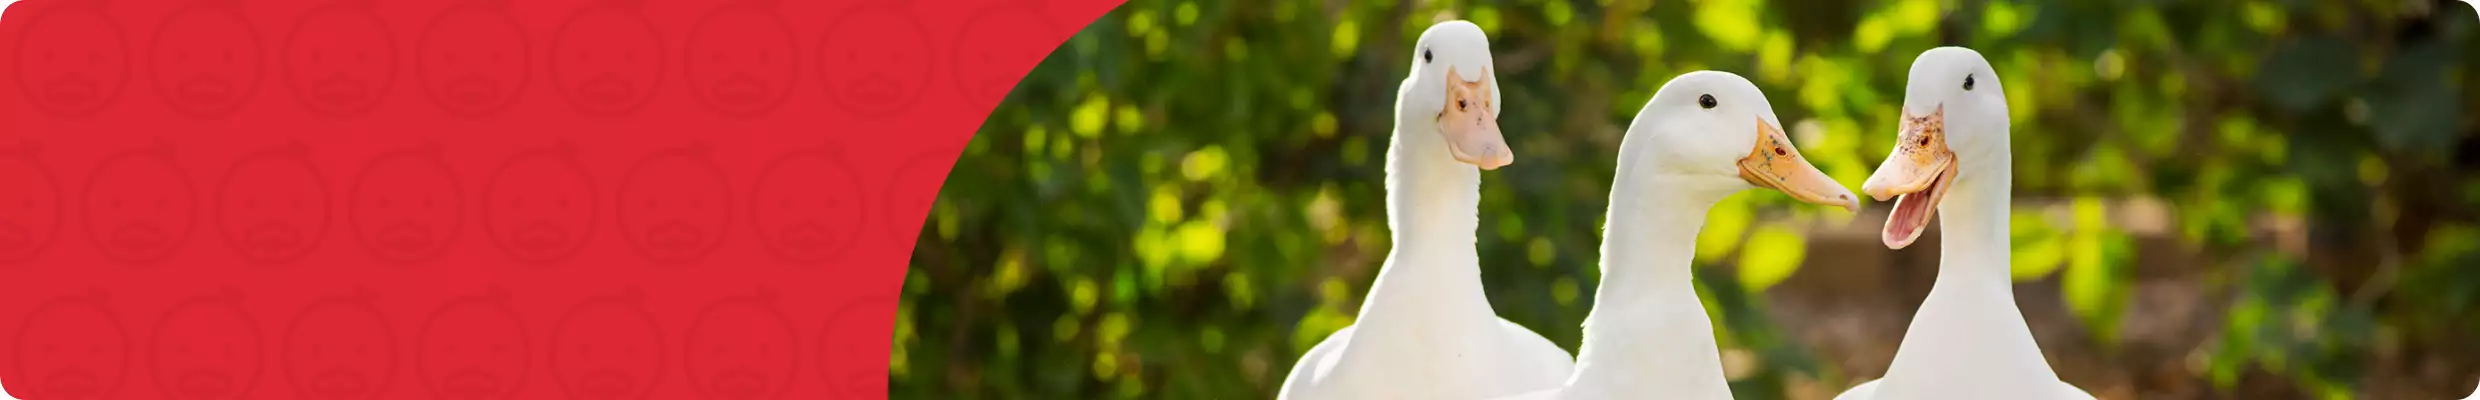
{"points": [[1470, 127], [1916, 176], [1775, 164]]}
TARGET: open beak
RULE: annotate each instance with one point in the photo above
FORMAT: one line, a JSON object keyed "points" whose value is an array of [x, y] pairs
{"points": [[1471, 129], [1775, 164], [1916, 176]]}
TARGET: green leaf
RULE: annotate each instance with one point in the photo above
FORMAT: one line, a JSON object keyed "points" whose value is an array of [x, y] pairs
{"points": [[2412, 110], [2036, 257], [1204, 163], [1723, 228], [2305, 74], [1730, 23], [1347, 37], [1200, 242], [1088, 119], [1773, 253]]}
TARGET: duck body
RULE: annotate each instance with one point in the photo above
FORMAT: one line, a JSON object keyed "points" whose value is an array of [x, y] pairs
{"points": [[1507, 358], [1968, 340], [1426, 329], [1703, 137]]}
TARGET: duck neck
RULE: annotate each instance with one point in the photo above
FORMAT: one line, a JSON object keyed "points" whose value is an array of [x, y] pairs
{"points": [[1970, 321], [1973, 227], [1432, 205], [1648, 332], [1650, 238]]}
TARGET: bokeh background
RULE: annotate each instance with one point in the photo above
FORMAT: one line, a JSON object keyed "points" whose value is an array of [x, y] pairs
{"points": [[2214, 199]]}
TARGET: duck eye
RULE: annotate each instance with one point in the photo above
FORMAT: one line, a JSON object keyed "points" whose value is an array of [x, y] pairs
{"points": [[1425, 56], [1779, 152], [1707, 101], [1967, 82], [1924, 140], [1459, 104]]}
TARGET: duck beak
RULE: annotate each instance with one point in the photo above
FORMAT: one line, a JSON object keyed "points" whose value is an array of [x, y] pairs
{"points": [[1469, 126], [1916, 176], [1775, 164]]}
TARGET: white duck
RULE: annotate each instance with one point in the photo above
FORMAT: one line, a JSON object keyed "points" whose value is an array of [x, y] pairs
{"points": [[1705, 136], [1425, 330], [1968, 340]]}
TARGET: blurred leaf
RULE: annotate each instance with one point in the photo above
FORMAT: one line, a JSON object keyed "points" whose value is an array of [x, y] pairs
{"points": [[2096, 269], [1090, 116], [1773, 253], [1729, 23], [2412, 112], [2305, 74], [2039, 249], [1724, 226], [1200, 242]]}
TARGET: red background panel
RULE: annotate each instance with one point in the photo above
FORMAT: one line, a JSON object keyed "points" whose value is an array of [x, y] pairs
{"points": [[479, 199]]}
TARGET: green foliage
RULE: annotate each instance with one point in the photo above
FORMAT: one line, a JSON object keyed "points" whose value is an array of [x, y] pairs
{"points": [[1187, 195]]}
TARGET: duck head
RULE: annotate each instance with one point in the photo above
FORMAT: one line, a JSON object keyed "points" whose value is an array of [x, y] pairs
{"points": [[1717, 132], [1953, 136], [1453, 95]]}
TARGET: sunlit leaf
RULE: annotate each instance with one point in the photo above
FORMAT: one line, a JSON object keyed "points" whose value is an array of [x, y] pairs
{"points": [[1724, 226], [1347, 38], [1774, 57], [1065, 328], [1089, 117], [1564, 290], [1485, 17], [1211, 340], [1139, 22], [1773, 253], [1036, 140], [1732, 24], [1106, 366], [1164, 205], [2039, 249], [1914, 17], [2265, 16], [2096, 264], [1010, 276], [1872, 34], [2001, 18], [1540, 252], [1323, 124], [1557, 13], [1204, 163], [1200, 242], [1128, 119], [1237, 286]]}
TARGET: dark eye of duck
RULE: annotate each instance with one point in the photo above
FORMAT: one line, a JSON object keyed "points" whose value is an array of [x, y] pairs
{"points": [[1967, 82], [1425, 56], [1924, 140], [1779, 152], [1459, 104], [1707, 101]]}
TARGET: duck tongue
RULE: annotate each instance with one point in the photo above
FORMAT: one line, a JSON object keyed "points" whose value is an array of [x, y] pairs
{"points": [[1911, 215]]}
